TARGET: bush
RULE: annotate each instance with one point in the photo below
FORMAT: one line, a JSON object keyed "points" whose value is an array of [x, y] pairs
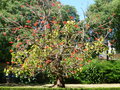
{"points": [[100, 72]]}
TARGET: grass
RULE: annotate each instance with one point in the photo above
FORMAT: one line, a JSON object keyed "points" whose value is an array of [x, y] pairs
{"points": [[39, 88]]}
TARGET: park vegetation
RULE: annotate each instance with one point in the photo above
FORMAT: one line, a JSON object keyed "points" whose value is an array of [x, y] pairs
{"points": [[47, 37]]}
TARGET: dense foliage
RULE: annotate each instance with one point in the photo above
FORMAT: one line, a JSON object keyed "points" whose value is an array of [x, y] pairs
{"points": [[103, 11], [40, 37], [100, 72]]}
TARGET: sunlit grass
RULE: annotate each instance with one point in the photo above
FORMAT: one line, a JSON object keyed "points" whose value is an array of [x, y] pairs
{"points": [[40, 88]]}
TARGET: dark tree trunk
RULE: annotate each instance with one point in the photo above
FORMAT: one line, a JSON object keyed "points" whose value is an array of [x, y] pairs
{"points": [[59, 82], [107, 55], [59, 73]]}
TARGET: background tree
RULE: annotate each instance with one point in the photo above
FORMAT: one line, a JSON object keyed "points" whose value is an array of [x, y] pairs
{"points": [[103, 11], [69, 12]]}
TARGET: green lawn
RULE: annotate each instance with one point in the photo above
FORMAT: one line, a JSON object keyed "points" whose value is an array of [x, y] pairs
{"points": [[38, 88]]}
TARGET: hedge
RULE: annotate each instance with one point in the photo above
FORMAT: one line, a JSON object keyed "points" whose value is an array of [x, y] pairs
{"points": [[99, 71]]}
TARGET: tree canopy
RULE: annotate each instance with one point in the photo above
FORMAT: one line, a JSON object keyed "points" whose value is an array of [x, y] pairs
{"points": [[42, 38], [104, 11], [13, 14]]}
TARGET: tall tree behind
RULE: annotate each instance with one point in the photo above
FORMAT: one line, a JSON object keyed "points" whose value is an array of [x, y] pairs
{"points": [[104, 10]]}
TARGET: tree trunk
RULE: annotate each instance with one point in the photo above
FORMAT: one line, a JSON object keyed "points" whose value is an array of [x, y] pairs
{"points": [[107, 55], [59, 82], [59, 73]]}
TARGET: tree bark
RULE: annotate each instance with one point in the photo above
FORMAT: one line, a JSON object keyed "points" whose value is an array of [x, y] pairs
{"points": [[59, 82], [59, 73]]}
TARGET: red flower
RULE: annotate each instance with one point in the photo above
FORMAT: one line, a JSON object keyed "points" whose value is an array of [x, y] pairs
{"points": [[11, 51], [73, 72], [29, 26], [81, 65], [80, 45], [54, 22], [102, 27], [110, 30], [71, 17], [79, 32], [36, 23], [48, 61], [73, 53], [27, 41], [12, 62], [34, 31], [48, 26], [71, 56], [25, 26], [81, 59], [46, 47], [64, 59], [22, 6], [20, 43], [96, 32], [11, 42], [85, 50], [4, 33], [75, 50], [53, 4], [17, 46], [28, 21], [64, 22], [43, 22], [18, 39], [61, 43], [40, 66], [33, 34], [96, 39], [43, 35], [15, 28], [89, 60], [8, 62], [76, 26], [54, 17], [88, 37], [59, 7], [77, 58], [87, 26], [62, 31], [58, 2]]}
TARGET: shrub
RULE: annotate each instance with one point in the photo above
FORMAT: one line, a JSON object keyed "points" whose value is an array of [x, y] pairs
{"points": [[100, 72]]}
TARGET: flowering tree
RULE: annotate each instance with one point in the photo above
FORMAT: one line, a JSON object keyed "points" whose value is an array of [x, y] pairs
{"points": [[43, 41], [102, 12], [14, 15]]}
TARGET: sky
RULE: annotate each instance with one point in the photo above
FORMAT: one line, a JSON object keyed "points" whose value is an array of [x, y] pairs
{"points": [[80, 5]]}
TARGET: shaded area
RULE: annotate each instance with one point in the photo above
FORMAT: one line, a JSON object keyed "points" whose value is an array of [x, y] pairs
{"points": [[5, 56]]}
